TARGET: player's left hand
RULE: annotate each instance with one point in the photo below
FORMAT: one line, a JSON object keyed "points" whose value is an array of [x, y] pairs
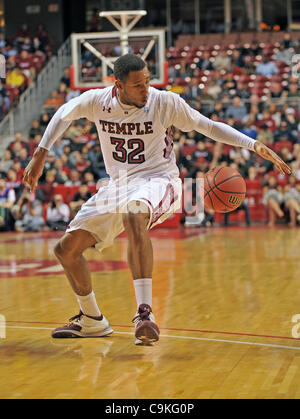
{"points": [[268, 154]]}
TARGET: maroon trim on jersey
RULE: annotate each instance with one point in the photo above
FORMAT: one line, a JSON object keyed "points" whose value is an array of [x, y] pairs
{"points": [[169, 141], [158, 211], [114, 92]]}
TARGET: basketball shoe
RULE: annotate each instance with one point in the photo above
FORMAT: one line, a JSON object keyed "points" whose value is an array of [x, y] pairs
{"points": [[146, 331], [83, 326]]}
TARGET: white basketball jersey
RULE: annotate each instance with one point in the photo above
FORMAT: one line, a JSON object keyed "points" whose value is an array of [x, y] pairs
{"points": [[133, 140]]}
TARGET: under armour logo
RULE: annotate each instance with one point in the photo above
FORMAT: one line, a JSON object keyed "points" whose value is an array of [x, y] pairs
{"points": [[108, 109]]}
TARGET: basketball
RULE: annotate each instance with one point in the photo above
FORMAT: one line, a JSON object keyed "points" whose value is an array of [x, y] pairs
{"points": [[224, 189]]}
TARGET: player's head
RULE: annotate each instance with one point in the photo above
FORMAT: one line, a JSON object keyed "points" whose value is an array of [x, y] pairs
{"points": [[132, 80]]}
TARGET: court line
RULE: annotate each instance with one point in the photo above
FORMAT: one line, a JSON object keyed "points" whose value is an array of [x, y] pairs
{"points": [[217, 332], [266, 345]]}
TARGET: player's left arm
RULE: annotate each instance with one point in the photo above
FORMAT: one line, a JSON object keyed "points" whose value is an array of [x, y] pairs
{"points": [[182, 116]]}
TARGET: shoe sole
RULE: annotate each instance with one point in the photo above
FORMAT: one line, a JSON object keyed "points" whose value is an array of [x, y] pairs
{"points": [[147, 334], [139, 342], [67, 334]]}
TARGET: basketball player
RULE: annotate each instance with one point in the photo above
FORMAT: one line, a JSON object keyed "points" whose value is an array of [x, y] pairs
{"points": [[133, 122]]}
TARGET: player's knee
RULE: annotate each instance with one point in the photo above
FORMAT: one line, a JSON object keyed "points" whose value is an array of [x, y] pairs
{"points": [[64, 250]]}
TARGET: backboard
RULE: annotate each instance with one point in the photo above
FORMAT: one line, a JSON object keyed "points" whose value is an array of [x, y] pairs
{"points": [[93, 55]]}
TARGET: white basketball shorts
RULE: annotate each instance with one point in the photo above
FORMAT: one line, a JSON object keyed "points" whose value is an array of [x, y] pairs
{"points": [[102, 214]]}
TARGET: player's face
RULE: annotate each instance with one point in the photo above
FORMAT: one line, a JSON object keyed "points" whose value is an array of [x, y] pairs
{"points": [[134, 91]]}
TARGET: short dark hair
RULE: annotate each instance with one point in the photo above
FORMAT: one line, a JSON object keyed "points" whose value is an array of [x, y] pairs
{"points": [[127, 63]]}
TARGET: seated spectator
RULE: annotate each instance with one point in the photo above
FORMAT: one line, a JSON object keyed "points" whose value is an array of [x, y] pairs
{"points": [[6, 161], [28, 213], [4, 97], [244, 91], [35, 129], [55, 101], [23, 157], [291, 198], [33, 144], [237, 59], [183, 70], [74, 179], [18, 169], [253, 174], [194, 89], [18, 140], [16, 79], [72, 94], [265, 118], [36, 45], [222, 62], [237, 110], [266, 67], [88, 178], [58, 148], [276, 91], [25, 63], [58, 214], [62, 171], [44, 120], [287, 40], [243, 207], [66, 77], [252, 50], [47, 186], [204, 62], [275, 112], [62, 91], [293, 91], [229, 83], [292, 123], [213, 89], [283, 133], [249, 128], [273, 199], [283, 54], [79, 199], [7, 200], [12, 180], [265, 135], [202, 151]]}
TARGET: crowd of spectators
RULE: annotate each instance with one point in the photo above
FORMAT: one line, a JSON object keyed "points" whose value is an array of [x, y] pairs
{"points": [[246, 86], [25, 54]]}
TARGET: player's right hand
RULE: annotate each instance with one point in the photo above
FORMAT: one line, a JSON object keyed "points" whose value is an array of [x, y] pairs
{"points": [[34, 169]]}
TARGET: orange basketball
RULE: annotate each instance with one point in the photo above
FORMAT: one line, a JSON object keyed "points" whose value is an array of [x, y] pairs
{"points": [[224, 189]]}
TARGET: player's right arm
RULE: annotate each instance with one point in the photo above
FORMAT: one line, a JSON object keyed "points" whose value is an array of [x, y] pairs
{"points": [[80, 107]]}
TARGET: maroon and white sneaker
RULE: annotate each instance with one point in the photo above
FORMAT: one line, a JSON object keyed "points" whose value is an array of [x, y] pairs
{"points": [[83, 326], [146, 331]]}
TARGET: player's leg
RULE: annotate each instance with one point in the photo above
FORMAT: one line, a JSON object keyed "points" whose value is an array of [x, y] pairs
{"points": [[69, 251], [140, 260], [90, 322], [140, 252], [294, 209]]}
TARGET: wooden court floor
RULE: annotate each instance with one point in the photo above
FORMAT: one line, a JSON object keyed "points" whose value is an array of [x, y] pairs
{"points": [[224, 300]]}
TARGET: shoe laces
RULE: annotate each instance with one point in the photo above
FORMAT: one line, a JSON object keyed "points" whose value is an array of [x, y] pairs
{"points": [[142, 315], [77, 317]]}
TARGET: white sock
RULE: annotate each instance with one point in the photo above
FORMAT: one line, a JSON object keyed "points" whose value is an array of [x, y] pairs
{"points": [[88, 305], [143, 291]]}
